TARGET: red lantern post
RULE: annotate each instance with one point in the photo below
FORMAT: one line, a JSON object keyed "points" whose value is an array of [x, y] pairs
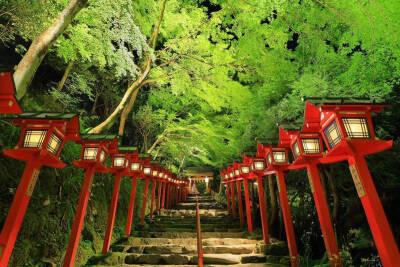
{"points": [[95, 149], [307, 151], [245, 175], [277, 159], [347, 129], [236, 167], [8, 102], [160, 183], [135, 172], [147, 172], [232, 189], [120, 167], [42, 138], [225, 182], [257, 167], [155, 170]]}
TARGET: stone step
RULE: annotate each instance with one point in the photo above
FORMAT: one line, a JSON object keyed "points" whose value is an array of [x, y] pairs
{"points": [[132, 241], [178, 259], [187, 249], [191, 234]]}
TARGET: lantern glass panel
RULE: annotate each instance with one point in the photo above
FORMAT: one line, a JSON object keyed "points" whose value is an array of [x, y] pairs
{"points": [[135, 166], [245, 169], [206, 180], [259, 165], [236, 172], [296, 150], [119, 161], [34, 138], [155, 173], [160, 174], [226, 176], [147, 170], [231, 174], [356, 127], [54, 144], [90, 153], [102, 156], [279, 156], [311, 145], [332, 134]]}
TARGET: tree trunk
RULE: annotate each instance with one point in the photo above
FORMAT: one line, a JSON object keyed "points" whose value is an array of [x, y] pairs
{"points": [[126, 111], [335, 194], [28, 65], [274, 206], [99, 128], [96, 99], [65, 76]]}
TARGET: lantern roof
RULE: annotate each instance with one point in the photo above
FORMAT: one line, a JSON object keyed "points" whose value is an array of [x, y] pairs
{"points": [[7, 94], [69, 120], [99, 137], [42, 116], [127, 149], [345, 103], [319, 101]]}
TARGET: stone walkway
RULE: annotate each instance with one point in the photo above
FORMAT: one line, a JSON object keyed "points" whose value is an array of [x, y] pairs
{"points": [[170, 240]]}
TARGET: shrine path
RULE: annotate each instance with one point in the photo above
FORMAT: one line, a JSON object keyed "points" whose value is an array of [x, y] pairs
{"points": [[170, 240]]}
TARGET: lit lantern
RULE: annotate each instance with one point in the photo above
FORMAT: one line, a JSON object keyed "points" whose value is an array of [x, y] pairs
{"points": [[135, 172], [155, 172], [307, 151], [42, 138], [347, 129], [8, 102], [94, 152], [121, 167], [231, 171], [147, 174], [258, 168], [278, 163]]}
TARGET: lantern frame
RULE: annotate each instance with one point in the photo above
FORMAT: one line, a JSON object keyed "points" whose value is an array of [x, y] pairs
{"points": [[63, 125], [8, 101]]}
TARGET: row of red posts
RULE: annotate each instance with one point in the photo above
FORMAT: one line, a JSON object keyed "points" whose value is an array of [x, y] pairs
{"points": [[42, 138], [344, 127]]}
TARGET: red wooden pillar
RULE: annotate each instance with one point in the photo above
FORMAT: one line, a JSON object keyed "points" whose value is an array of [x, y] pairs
{"points": [[263, 210], [163, 196], [233, 199], [153, 196], [323, 215], [228, 198], [146, 185], [239, 192], [79, 218], [17, 211], [159, 196], [131, 207], [180, 194], [287, 219], [168, 195], [247, 202], [111, 214], [378, 223]]}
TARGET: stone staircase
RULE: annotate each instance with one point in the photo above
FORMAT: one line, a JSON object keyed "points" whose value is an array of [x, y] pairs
{"points": [[170, 240]]}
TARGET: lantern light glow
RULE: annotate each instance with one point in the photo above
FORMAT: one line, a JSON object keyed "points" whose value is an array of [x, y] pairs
{"points": [[147, 170], [332, 134], [279, 156], [102, 156], [135, 166], [54, 144], [356, 127], [245, 169], [119, 161], [311, 145], [90, 153], [34, 138]]}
